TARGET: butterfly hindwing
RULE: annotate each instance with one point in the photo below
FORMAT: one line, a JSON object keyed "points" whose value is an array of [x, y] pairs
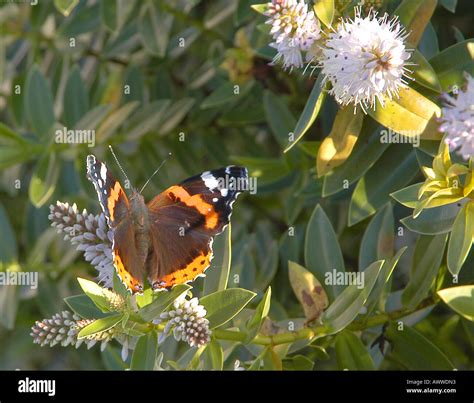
{"points": [[185, 218]]}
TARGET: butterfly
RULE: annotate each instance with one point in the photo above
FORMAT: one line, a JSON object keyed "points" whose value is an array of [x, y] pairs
{"points": [[169, 239]]}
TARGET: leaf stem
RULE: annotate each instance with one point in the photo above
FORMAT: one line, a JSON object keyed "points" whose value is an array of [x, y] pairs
{"points": [[319, 331]]}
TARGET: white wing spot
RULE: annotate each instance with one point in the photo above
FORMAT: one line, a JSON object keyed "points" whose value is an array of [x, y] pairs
{"points": [[103, 172], [215, 199], [209, 180]]}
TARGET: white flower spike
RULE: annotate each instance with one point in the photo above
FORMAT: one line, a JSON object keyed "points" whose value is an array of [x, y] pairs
{"points": [[365, 59], [457, 120], [294, 29]]}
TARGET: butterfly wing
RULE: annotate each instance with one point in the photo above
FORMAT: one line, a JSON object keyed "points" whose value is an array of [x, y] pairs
{"points": [[116, 208], [185, 218]]}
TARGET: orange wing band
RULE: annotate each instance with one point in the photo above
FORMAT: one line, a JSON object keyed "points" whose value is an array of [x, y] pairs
{"points": [[187, 273], [178, 193], [130, 282]]}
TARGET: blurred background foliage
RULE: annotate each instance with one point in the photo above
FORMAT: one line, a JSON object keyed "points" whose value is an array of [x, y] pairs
{"points": [[193, 78]]}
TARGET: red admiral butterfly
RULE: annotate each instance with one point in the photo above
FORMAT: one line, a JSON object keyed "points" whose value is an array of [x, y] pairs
{"points": [[169, 239]]}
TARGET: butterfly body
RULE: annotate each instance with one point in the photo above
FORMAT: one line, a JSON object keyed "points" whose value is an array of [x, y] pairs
{"points": [[169, 239]]}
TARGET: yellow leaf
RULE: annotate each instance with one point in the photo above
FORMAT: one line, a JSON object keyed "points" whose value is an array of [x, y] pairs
{"points": [[324, 10], [308, 290], [431, 186], [418, 24], [469, 187], [457, 169], [429, 173], [439, 198], [411, 114], [338, 145]]}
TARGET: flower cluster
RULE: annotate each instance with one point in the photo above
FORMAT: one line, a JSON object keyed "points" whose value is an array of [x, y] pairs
{"points": [[63, 329], [90, 233], [294, 30], [365, 59], [188, 320], [457, 120]]}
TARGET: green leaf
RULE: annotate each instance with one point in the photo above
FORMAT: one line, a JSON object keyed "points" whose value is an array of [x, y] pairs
{"points": [[410, 114], [308, 291], [433, 221], [87, 20], [460, 299], [112, 359], [408, 196], [65, 7], [339, 143], [449, 5], [396, 167], [426, 262], [9, 298], [428, 44], [260, 8], [348, 304], [147, 119], [145, 353], [266, 170], [100, 325], [310, 112], [95, 293], [279, 117], [462, 236], [351, 353], [414, 351], [367, 150], [113, 121], [222, 306], [84, 307], [162, 300], [75, 100], [154, 26], [424, 73], [225, 93], [302, 363], [378, 240], [267, 360], [15, 149], [109, 13], [8, 243], [93, 117], [269, 266], [324, 10], [261, 312], [216, 354], [378, 295], [44, 179], [452, 63], [217, 275], [414, 15], [322, 253], [175, 114], [39, 103]]}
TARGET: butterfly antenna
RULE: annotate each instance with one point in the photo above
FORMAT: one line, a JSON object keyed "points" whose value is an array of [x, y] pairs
{"points": [[118, 163], [156, 171]]}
